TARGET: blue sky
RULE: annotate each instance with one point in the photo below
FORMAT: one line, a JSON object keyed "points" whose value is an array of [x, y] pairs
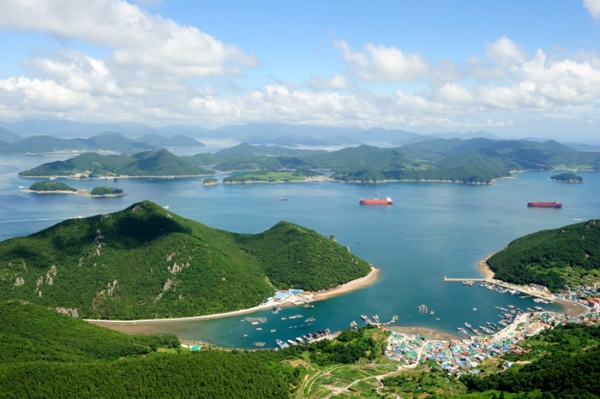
{"points": [[514, 68]]}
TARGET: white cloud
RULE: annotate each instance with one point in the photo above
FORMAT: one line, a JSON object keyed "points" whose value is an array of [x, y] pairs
{"points": [[504, 52], [139, 39], [378, 62], [335, 82], [453, 93], [593, 6]]}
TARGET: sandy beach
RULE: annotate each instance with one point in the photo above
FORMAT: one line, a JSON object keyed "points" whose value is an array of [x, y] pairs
{"points": [[135, 327], [571, 308], [484, 269], [349, 286]]}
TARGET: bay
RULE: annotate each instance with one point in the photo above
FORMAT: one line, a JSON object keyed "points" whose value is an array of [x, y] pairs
{"points": [[432, 230]]}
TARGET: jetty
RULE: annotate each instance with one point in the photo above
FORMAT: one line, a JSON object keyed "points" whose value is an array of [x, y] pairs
{"points": [[462, 280]]}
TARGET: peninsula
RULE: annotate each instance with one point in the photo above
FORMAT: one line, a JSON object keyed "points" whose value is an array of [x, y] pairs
{"points": [[147, 263]]}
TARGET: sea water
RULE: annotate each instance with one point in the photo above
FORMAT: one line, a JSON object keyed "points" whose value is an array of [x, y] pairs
{"points": [[431, 231]]}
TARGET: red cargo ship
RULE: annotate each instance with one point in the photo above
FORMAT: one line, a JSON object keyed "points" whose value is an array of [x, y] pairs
{"points": [[377, 201], [554, 204]]}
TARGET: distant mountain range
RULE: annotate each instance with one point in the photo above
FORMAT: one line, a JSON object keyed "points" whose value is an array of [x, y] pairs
{"points": [[11, 144], [32, 136]]}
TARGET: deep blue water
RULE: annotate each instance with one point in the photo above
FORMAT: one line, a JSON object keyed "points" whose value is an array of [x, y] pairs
{"points": [[432, 230]]}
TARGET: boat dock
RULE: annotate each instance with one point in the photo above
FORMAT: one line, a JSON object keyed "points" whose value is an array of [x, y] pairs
{"points": [[462, 280]]}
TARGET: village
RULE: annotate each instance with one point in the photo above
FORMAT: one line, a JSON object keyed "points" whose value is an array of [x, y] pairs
{"points": [[465, 356]]}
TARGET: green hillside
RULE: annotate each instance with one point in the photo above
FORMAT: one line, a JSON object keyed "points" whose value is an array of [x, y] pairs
{"points": [[293, 256], [33, 333], [149, 163], [49, 355], [145, 262], [567, 255]]}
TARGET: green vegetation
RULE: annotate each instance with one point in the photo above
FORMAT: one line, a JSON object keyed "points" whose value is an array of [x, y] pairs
{"points": [[567, 178], [46, 354], [106, 190], [210, 182], [145, 262], [49, 186], [159, 164], [32, 333], [293, 256], [566, 365], [271, 177], [551, 257]]}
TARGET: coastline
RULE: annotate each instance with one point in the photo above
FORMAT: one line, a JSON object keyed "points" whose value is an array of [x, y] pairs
{"points": [[484, 268], [317, 296], [569, 308], [349, 286]]}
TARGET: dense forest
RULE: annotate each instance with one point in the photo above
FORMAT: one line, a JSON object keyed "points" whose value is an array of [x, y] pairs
{"points": [[146, 262], [293, 256], [47, 354], [44, 186], [551, 258]]}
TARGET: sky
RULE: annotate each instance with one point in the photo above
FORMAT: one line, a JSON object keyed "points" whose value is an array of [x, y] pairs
{"points": [[513, 68]]}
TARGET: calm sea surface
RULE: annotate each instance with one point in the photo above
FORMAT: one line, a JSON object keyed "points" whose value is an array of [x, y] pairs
{"points": [[432, 230]]}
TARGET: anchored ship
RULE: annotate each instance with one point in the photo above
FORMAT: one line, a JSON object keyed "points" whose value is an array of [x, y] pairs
{"points": [[377, 201], [553, 204]]}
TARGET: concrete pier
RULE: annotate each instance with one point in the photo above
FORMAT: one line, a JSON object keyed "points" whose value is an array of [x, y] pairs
{"points": [[460, 280]]}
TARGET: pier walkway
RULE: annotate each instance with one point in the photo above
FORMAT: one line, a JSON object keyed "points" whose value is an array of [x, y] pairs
{"points": [[460, 280]]}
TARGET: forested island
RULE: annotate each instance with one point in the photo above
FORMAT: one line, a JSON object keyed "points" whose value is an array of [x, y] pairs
{"points": [[554, 258], [273, 177], [106, 191], [475, 161], [567, 178], [52, 187], [210, 182], [144, 164], [145, 262]]}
